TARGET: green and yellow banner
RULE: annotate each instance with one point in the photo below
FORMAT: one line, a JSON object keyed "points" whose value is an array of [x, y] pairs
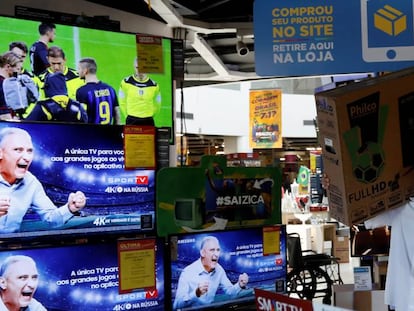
{"points": [[265, 118]]}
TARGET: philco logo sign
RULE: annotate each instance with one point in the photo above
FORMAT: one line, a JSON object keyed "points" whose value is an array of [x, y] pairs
{"points": [[323, 105]]}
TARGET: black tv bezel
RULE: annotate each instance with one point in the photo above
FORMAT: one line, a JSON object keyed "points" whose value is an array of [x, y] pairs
{"points": [[249, 304], [97, 240], [63, 234], [56, 18]]}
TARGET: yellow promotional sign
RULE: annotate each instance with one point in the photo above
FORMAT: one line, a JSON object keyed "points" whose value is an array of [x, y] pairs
{"points": [[136, 264], [149, 50], [139, 150], [265, 122]]}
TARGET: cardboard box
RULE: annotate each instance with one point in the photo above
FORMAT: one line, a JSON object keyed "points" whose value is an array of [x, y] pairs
{"points": [[369, 300], [346, 297], [341, 242], [343, 296], [366, 130], [342, 255], [341, 248]]}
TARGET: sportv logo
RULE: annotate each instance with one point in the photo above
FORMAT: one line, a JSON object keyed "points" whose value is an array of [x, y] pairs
{"points": [[141, 180], [151, 294]]}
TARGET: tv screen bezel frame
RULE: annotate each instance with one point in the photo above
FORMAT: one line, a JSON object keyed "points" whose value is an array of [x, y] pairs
{"points": [[172, 84], [43, 234], [235, 305], [95, 241]]}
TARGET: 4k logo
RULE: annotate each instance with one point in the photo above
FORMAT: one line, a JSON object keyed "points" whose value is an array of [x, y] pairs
{"points": [[141, 180]]}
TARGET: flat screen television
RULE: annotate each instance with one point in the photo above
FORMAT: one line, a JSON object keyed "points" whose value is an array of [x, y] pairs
{"points": [[87, 158], [258, 252], [114, 53], [85, 277]]}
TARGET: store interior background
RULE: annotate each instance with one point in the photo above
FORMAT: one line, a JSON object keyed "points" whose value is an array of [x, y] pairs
{"points": [[214, 94], [212, 102]]}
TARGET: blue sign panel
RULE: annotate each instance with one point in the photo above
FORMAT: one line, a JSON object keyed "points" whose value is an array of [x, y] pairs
{"points": [[294, 38]]}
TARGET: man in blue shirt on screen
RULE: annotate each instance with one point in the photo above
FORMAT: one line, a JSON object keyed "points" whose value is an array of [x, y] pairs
{"points": [[199, 281], [19, 279], [99, 98], [21, 190]]}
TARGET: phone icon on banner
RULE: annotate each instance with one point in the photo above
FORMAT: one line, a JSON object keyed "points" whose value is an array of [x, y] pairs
{"points": [[387, 30]]}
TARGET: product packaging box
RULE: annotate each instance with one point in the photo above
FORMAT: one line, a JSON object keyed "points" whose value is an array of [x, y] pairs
{"points": [[369, 300], [366, 130], [341, 248]]}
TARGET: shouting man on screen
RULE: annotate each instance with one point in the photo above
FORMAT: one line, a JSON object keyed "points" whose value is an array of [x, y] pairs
{"points": [[199, 281], [21, 190]]}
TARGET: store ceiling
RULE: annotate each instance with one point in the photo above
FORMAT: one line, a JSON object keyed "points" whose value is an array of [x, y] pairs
{"points": [[210, 30]]}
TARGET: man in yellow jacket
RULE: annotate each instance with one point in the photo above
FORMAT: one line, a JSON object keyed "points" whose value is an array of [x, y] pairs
{"points": [[57, 62], [139, 98]]}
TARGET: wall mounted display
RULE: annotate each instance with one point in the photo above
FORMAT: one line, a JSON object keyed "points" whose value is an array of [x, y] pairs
{"points": [[265, 118], [64, 158]]}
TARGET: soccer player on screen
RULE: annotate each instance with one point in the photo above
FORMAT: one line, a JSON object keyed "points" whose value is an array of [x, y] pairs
{"points": [[21, 190], [139, 98], [57, 106], [19, 279], [199, 281], [99, 98], [38, 51], [57, 60]]}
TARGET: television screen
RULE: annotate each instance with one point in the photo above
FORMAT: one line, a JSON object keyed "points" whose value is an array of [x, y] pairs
{"points": [[220, 269], [65, 159], [114, 53], [83, 277]]}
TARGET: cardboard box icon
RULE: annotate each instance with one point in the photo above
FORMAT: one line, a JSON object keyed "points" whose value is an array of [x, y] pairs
{"points": [[390, 20], [366, 131]]}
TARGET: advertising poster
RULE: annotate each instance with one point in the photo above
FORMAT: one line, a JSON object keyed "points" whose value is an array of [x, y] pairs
{"points": [[66, 159], [265, 119], [149, 50], [297, 38], [216, 197], [270, 301], [136, 264], [237, 254], [139, 147], [85, 277]]}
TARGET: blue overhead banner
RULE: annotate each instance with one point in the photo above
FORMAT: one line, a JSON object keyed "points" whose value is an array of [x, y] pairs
{"points": [[318, 37]]}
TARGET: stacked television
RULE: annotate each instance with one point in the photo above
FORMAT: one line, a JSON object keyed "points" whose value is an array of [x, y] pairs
{"points": [[78, 262]]}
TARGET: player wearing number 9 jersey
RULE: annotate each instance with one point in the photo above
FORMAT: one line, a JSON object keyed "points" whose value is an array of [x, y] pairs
{"points": [[99, 98]]}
